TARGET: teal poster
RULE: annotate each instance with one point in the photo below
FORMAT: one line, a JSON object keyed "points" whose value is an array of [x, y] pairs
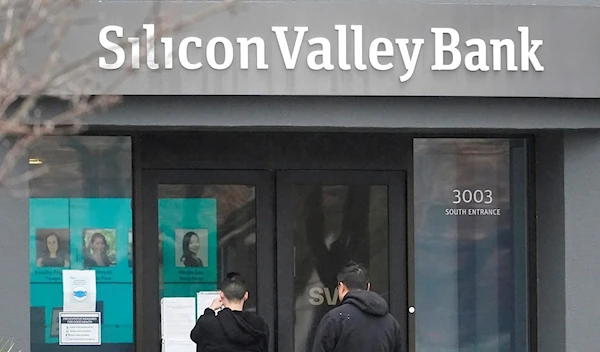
{"points": [[188, 237], [82, 233]]}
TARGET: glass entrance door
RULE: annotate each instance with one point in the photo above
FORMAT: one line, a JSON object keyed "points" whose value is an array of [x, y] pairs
{"points": [[326, 219], [287, 232], [198, 226]]}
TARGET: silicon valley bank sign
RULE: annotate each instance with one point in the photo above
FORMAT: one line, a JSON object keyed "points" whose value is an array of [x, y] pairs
{"points": [[347, 52]]}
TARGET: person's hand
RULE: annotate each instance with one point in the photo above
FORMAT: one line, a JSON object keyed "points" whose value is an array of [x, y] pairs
{"points": [[216, 304]]}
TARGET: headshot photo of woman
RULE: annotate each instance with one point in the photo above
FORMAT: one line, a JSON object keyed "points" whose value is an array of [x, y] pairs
{"points": [[96, 252], [191, 247], [50, 249]]}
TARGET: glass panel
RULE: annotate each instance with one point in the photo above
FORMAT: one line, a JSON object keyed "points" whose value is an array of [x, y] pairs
{"points": [[470, 245], [332, 225], [80, 218], [205, 232]]}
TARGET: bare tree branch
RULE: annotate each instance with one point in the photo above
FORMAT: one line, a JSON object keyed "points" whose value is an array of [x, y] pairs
{"points": [[22, 122]]}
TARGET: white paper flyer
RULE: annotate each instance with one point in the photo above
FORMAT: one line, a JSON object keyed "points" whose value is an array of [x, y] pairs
{"points": [[79, 291]]}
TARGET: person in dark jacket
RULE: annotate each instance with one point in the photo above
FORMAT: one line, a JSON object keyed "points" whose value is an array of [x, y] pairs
{"points": [[361, 322], [226, 327]]}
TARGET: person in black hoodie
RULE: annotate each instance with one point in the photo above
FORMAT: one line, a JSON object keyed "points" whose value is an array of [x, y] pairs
{"points": [[230, 329], [362, 322]]}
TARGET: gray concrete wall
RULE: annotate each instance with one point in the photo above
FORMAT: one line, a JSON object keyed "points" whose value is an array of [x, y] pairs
{"points": [[569, 65], [14, 262], [550, 242], [582, 240]]}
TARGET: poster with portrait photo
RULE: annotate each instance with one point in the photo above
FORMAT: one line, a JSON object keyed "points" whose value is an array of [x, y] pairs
{"points": [[191, 248], [99, 248], [53, 248]]}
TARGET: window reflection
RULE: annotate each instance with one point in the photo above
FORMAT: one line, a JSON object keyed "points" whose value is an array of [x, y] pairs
{"points": [[468, 273], [332, 225], [80, 218], [206, 230]]}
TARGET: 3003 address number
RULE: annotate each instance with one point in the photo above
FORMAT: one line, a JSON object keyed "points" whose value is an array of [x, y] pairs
{"points": [[478, 196]]}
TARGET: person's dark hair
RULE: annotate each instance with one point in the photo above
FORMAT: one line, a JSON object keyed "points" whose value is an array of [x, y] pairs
{"points": [[234, 287], [354, 275], [104, 254], [188, 257], [97, 235]]}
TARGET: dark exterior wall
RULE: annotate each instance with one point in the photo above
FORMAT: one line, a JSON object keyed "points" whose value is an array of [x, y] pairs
{"points": [[351, 112], [551, 242]]}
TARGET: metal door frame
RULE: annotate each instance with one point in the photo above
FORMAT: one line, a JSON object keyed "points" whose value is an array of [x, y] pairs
{"points": [[397, 240], [146, 256]]}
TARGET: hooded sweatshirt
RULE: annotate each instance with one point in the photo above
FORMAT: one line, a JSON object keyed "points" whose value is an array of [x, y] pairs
{"points": [[361, 323], [230, 331]]}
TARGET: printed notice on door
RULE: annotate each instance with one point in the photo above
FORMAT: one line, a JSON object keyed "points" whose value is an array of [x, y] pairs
{"points": [[80, 329]]}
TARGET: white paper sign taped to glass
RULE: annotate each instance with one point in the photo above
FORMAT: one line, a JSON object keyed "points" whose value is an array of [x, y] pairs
{"points": [[79, 329], [178, 318], [203, 300], [79, 290]]}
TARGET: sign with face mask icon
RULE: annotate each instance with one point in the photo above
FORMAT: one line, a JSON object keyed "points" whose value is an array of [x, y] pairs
{"points": [[80, 258], [79, 290]]}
